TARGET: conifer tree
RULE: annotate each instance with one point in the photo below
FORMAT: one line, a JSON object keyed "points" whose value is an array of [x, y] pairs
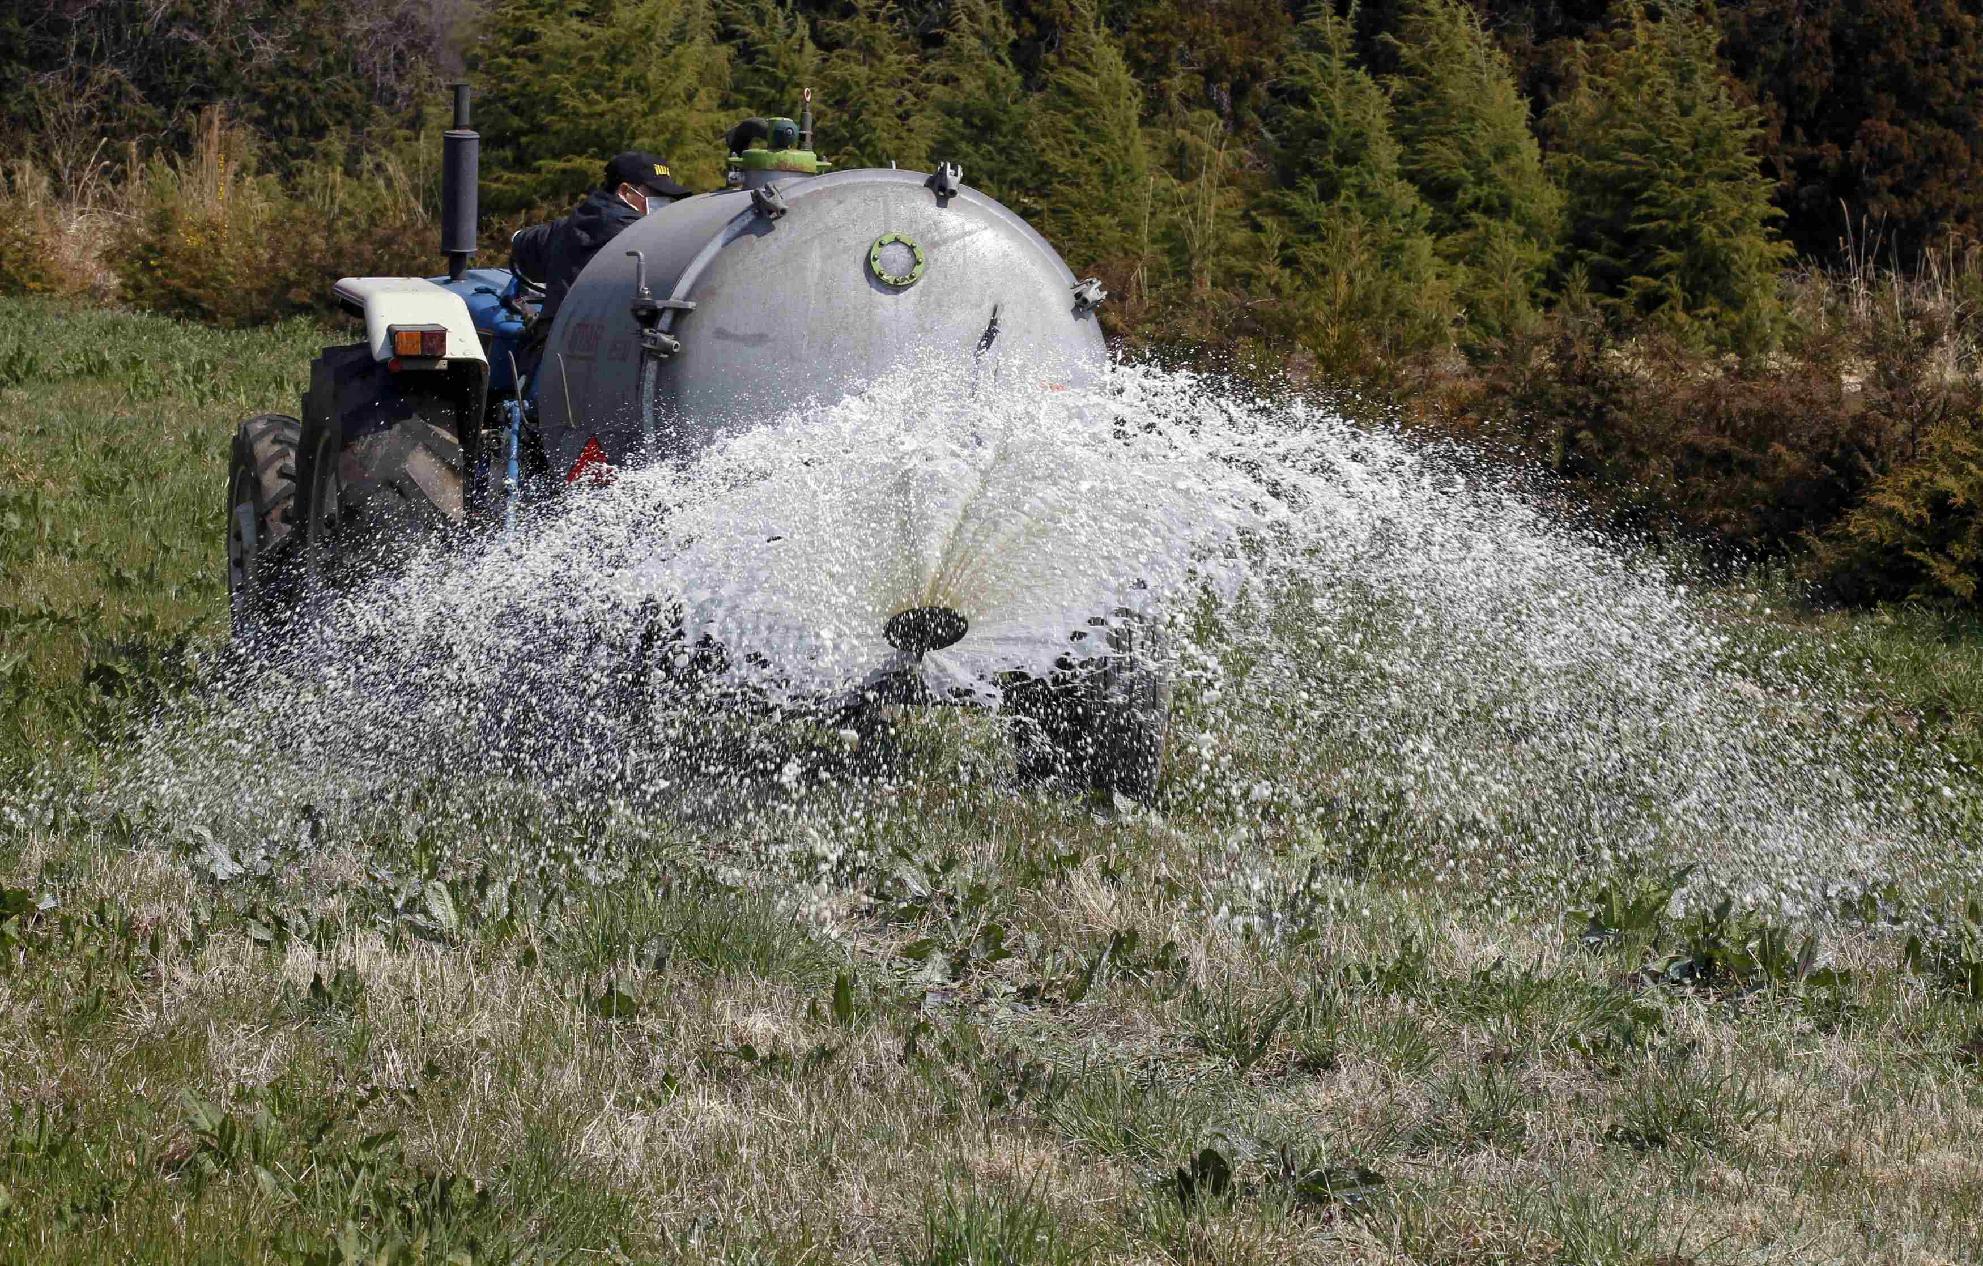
{"points": [[568, 88], [872, 108], [1357, 274], [774, 59], [1669, 210], [1093, 177], [1465, 144], [1190, 55], [980, 100], [313, 78]]}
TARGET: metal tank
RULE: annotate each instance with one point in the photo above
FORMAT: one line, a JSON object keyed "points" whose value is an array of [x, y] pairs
{"points": [[733, 307]]}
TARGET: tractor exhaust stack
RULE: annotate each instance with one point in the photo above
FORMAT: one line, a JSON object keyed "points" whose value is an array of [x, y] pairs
{"points": [[461, 160]]}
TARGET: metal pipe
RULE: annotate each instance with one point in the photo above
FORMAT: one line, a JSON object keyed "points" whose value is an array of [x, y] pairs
{"points": [[461, 160]]}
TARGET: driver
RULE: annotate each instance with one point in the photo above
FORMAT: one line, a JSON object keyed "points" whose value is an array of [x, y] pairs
{"points": [[552, 255]]}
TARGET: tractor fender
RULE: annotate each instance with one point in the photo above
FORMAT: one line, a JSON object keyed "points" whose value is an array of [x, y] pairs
{"points": [[388, 301]]}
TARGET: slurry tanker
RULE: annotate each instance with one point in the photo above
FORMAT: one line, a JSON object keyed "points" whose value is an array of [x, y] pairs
{"points": [[794, 284]]}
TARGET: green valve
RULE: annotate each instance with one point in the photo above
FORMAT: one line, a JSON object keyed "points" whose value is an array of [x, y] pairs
{"points": [[896, 260]]}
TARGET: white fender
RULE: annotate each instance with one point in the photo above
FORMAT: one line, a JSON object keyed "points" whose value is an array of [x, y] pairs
{"points": [[390, 301]]}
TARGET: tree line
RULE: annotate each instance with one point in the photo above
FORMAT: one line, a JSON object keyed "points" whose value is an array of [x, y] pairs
{"points": [[1462, 160]]}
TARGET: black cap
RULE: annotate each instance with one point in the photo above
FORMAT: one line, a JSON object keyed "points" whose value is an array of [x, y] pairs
{"points": [[643, 171]]}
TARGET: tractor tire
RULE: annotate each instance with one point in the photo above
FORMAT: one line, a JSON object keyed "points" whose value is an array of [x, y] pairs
{"points": [[375, 499], [262, 574], [1102, 724]]}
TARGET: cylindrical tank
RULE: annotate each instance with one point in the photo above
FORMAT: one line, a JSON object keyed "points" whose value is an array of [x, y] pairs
{"points": [[760, 300]]}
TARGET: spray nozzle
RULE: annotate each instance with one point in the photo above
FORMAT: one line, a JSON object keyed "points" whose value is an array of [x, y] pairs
{"points": [[922, 629]]}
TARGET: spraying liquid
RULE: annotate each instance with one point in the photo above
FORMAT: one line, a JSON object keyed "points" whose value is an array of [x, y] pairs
{"points": [[1370, 649]]}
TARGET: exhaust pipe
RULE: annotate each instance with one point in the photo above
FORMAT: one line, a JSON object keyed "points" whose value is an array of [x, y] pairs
{"points": [[461, 160]]}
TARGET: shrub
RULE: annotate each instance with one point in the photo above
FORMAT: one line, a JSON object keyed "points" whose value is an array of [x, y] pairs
{"points": [[199, 243], [1750, 458], [43, 246], [213, 240], [1753, 456], [1919, 532]]}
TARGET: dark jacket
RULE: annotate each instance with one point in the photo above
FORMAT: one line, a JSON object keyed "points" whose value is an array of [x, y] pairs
{"points": [[553, 255]]}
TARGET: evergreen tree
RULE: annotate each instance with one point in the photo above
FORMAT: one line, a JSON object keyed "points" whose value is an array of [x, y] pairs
{"points": [[1356, 275], [1874, 109], [1669, 211], [1192, 56], [774, 59], [567, 88], [1463, 128], [872, 108], [1093, 176], [981, 103], [1205, 247], [1535, 35]]}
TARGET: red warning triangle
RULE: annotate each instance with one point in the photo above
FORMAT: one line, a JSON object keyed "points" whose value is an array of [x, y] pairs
{"points": [[592, 466]]}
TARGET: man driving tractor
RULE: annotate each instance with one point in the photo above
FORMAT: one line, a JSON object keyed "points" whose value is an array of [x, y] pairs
{"points": [[552, 255]]}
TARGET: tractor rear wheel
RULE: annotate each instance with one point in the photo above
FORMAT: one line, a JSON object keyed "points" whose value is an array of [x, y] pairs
{"points": [[375, 499], [261, 506], [382, 467]]}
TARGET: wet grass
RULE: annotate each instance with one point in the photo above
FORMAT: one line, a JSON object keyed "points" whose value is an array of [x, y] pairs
{"points": [[1028, 1037]]}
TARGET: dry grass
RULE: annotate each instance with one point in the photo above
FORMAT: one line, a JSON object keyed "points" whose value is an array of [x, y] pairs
{"points": [[52, 241], [1506, 1095]]}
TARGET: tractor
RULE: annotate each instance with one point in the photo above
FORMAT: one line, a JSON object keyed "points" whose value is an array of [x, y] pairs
{"points": [[704, 316]]}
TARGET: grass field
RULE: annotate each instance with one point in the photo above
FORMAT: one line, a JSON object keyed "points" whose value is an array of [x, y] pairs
{"points": [[1021, 1041]]}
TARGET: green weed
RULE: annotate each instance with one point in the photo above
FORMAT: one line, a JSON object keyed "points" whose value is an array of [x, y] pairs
{"points": [[1949, 951], [1229, 1024], [1716, 948], [1671, 1103], [980, 1229], [1119, 1113]]}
